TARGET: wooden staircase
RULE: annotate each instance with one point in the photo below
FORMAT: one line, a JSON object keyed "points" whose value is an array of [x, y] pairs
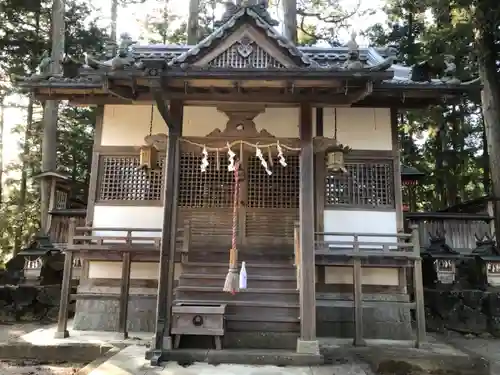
{"points": [[265, 315]]}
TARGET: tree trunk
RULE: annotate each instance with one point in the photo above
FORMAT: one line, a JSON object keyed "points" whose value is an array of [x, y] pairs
{"points": [[114, 19], [49, 140], [21, 205], [290, 19], [2, 122], [485, 161], [192, 28], [490, 97]]}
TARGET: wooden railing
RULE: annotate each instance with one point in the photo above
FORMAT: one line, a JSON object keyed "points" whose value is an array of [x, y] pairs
{"points": [[124, 242], [459, 229], [297, 252], [398, 250]]}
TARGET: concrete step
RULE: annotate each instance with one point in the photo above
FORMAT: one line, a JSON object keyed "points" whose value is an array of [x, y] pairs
{"points": [[247, 356], [209, 293], [253, 269], [254, 281]]}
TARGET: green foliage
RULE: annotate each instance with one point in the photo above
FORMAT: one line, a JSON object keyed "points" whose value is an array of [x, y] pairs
{"points": [[24, 36], [446, 141]]}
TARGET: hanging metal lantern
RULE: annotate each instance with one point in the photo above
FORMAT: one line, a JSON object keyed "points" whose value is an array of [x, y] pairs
{"points": [[335, 154], [335, 158], [148, 157]]}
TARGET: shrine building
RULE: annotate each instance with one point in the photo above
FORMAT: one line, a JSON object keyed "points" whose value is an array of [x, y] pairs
{"points": [[309, 133]]}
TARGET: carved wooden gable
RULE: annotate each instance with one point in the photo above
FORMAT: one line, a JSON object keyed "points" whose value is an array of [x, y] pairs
{"points": [[247, 48]]}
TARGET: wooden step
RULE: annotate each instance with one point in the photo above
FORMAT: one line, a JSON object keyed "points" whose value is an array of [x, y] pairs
{"points": [[209, 293], [254, 281], [253, 269]]}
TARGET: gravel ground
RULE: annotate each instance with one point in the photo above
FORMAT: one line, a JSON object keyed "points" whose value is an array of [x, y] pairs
{"points": [[31, 368]]}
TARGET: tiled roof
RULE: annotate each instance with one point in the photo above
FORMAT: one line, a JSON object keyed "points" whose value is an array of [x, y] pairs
{"points": [[223, 31]]}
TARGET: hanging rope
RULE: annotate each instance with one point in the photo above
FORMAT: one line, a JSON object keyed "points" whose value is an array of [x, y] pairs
{"points": [[276, 145], [231, 284]]}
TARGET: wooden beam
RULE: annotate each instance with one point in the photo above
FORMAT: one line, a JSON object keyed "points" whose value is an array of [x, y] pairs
{"points": [[123, 93], [161, 103], [307, 342], [162, 339], [359, 95]]}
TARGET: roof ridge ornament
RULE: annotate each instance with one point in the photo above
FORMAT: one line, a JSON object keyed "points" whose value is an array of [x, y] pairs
{"points": [[353, 62]]}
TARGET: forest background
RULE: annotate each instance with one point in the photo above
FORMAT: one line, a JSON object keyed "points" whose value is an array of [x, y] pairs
{"points": [[446, 142]]}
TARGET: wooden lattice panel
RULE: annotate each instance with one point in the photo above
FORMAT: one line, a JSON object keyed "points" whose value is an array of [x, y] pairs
{"points": [[366, 184], [279, 190], [206, 198], [272, 201], [245, 54], [122, 180], [210, 189]]}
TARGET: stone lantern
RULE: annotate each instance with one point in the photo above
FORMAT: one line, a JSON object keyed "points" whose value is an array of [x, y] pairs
{"points": [[484, 267], [439, 262], [43, 262]]}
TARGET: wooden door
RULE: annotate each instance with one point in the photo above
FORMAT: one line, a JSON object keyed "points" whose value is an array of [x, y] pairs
{"points": [[206, 199], [270, 202]]}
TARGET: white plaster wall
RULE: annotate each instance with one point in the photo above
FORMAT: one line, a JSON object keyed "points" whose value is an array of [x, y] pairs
{"points": [[357, 221], [354, 221], [127, 125], [138, 270], [360, 128], [128, 217]]}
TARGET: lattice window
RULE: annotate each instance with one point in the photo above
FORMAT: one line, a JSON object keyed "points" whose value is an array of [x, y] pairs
{"points": [[366, 184], [245, 54], [121, 179], [279, 190], [210, 189], [61, 199]]}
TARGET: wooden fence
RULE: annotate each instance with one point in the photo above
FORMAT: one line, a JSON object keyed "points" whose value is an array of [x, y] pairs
{"points": [[459, 229], [357, 250]]}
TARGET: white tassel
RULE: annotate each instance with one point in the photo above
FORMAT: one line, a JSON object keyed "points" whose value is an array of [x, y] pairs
{"points": [[204, 160], [281, 157], [243, 276], [231, 155], [263, 161]]}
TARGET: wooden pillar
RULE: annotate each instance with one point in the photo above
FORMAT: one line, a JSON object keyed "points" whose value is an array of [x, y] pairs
{"points": [[307, 342], [162, 339], [398, 193], [62, 320]]}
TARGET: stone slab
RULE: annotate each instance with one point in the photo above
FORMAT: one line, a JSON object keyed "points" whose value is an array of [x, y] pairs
{"points": [[394, 357], [130, 361]]}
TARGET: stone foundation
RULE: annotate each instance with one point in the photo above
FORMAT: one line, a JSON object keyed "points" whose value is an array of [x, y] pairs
{"points": [[383, 322], [101, 315], [465, 311]]}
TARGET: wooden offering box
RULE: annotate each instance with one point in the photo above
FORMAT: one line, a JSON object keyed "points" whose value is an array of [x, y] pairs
{"points": [[203, 320]]}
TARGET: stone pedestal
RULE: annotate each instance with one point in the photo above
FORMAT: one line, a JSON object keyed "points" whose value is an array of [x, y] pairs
{"points": [[308, 347]]}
